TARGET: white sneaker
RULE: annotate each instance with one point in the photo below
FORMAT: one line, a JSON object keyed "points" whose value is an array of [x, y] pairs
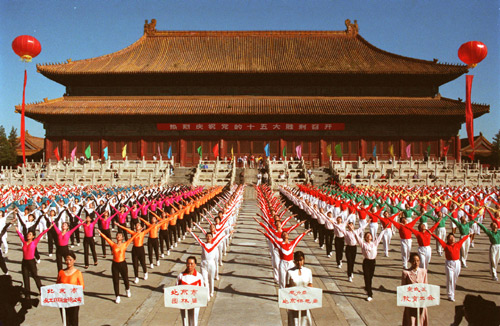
{"points": [[129, 294], [78, 244], [322, 247], [38, 261], [350, 279], [315, 240], [495, 278], [472, 244], [175, 246], [369, 299], [136, 280], [152, 266], [221, 263], [72, 246], [451, 299], [184, 237], [217, 278], [162, 255], [168, 253], [211, 294], [329, 255], [157, 263], [117, 299], [145, 276], [7, 273], [50, 255], [340, 265]]}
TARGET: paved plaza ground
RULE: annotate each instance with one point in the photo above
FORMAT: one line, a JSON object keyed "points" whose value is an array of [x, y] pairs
{"points": [[246, 294]]}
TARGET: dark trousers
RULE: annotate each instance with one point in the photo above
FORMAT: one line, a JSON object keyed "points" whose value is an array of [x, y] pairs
{"points": [[350, 255], [314, 226], [104, 245], [138, 256], [74, 235], [89, 242], [321, 234], [28, 268], [3, 265], [328, 240], [164, 238], [368, 271], [153, 245], [339, 249], [172, 233], [52, 239], [71, 315], [61, 253], [118, 269]]}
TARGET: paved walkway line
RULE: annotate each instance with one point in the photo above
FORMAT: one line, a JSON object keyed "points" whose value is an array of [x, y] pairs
{"points": [[246, 294]]}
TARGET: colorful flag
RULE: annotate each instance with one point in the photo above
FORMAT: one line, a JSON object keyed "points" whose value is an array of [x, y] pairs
{"points": [[429, 150], [408, 151], [73, 154], [391, 150], [266, 149], [298, 150], [88, 152], [216, 150], [338, 150], [199, 151], [56, 154], [105, 153], [374, 151], [284, 151], [329, 150], [469, 116], [124, 151], [232, 153], [169, 153]]}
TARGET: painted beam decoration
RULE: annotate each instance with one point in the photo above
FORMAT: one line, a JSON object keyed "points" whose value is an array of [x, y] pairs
{"points": [[272, 126]]}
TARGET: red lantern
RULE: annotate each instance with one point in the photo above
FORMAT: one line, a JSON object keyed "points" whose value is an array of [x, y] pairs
{"points": [[473, 52], [27, 47]]}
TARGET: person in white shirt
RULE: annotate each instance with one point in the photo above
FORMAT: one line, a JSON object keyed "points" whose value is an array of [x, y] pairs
{"points": [[299, 276]]}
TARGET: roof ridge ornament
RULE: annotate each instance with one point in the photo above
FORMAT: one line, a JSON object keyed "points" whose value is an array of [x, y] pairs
{"points": [[150, 28], [351, 28]]}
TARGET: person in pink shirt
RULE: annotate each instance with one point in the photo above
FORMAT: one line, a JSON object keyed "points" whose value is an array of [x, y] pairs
{"points": [[88, 240], [369, 251], [28, 265], [63, 237]]}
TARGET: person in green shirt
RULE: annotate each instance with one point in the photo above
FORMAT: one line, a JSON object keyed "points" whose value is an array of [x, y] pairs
{"points": [[494, 236], [464, 228]]}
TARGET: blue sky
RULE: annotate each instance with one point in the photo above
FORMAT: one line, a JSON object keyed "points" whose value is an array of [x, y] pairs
{"points": [[84, 29]]}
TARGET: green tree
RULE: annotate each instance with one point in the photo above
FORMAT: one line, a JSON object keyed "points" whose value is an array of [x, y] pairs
{"points": [[13, 142], [496, 149], [4, 148]]}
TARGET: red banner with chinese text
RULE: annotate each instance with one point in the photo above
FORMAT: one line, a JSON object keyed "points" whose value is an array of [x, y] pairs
{"points": [[250, 126]]}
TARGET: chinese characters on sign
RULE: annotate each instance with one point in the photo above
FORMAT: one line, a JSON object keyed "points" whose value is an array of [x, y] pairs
{"points": [[250, 126], [418, 295], [186, 296], [300, 298], [62, 295]]}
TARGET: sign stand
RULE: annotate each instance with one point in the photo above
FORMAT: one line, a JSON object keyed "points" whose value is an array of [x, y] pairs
{"points": [[300, 317], [186, 317], [64, 316], [418, 316]]}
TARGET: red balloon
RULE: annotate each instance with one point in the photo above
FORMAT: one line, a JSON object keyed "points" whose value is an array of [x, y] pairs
{"points": [[27, 47], [473, 52]]}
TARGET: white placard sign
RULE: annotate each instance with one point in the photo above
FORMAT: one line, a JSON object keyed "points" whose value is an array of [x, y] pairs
{"points": [[418, 295], [62, 295], [186, 296], [300, 298]]}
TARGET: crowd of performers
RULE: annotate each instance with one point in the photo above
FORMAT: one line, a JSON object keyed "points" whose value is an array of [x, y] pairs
{"points": [[69, 216], [343, 218]]}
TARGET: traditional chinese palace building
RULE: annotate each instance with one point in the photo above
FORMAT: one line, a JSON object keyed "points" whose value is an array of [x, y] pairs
{"points": [[244, 89]]}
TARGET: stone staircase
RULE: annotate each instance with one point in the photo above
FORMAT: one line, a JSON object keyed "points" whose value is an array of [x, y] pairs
{"points": [[182, 175], [321, 175]]}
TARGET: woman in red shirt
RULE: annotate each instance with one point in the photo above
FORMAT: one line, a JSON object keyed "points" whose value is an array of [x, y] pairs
{"points": [[71, 275]]}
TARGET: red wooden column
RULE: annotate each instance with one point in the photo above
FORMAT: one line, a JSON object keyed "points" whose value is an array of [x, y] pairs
{"points": [[401, 148], [362, 145], [222, 148], [323, 155], [458, 148], [141, 151], [48, 149], [64, 149], [182, 152], [440, 148]]}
